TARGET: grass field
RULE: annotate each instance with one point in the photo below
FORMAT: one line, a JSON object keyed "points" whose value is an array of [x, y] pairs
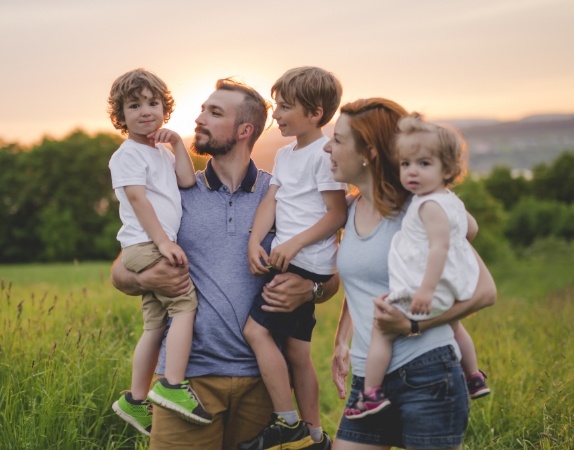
{"points": [[66, 338]]}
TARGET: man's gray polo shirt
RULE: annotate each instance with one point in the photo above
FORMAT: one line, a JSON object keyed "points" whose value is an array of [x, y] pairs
{"points": [[214, 233]]}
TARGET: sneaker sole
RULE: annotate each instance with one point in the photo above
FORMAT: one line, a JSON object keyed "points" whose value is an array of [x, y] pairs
{"points": [[297, 445], [129, 419], [174, 407], [369, 412], [480, 393]]}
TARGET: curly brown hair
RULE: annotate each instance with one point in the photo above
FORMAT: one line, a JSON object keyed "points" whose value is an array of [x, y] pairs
{"points": [[128, 86]]}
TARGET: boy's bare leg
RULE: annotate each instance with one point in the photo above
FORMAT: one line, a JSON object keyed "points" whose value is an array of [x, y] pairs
{"points": [[305, 382], [272, 365], [178, 346], [145, 361]]}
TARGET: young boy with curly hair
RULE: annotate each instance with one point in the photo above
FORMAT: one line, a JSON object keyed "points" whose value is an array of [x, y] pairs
{"points": [[146, 178]]}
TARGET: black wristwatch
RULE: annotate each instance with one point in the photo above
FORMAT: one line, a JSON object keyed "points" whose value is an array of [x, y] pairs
{"points": [[318, 291], [415, 330]]}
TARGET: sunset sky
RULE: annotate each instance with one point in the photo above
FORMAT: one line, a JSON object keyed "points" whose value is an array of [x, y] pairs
{"points": [[502, 59]]}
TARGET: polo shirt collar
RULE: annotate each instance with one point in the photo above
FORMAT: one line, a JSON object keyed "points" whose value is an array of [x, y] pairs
{"points": [[213, 182]]}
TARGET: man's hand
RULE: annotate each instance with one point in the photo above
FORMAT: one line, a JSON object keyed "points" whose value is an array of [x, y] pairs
{"points": [[286, 292], [165, 279], [162, 278]]}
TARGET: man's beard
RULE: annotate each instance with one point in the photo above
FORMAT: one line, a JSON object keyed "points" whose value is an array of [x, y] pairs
{"points": [[213, 147]]}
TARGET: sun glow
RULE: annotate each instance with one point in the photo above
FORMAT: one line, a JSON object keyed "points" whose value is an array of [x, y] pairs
{"points": [[188, 101]]}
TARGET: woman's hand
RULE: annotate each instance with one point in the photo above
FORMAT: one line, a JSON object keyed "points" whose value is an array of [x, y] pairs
{"points": [[340, 369]]}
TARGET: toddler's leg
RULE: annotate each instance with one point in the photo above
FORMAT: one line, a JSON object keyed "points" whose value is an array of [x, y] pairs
{"points": [[145, 361], [469, 361], [178, 346], [475, 378], [372, 399], [378, 359]]}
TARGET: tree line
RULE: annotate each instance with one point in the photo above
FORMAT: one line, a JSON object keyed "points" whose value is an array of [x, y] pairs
{"points": [[57, 204]]}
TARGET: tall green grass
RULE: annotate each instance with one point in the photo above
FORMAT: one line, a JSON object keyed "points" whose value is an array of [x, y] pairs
{"points": [[66, 340]]}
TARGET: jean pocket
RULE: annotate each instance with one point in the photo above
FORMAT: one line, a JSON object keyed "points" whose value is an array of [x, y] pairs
{"points": [[422, 377]]}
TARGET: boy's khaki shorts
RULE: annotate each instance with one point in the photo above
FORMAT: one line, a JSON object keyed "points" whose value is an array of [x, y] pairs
{"points": [[156, 308], [240, 406]]}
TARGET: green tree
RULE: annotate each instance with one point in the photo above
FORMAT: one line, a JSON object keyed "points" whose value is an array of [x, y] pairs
{"points": [[18, 241], [490, 242], [505, 188], [533, 219], [555, 182]]}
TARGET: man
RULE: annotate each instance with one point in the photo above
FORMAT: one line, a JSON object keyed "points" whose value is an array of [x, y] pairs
{"points": [[217, 216]]}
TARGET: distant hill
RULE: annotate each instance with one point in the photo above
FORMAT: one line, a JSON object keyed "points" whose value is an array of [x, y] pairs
{"points": [[517, 144]]}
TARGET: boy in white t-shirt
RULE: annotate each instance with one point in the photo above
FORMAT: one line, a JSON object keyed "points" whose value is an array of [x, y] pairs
{"points": [[308, 208], [145, 177]]}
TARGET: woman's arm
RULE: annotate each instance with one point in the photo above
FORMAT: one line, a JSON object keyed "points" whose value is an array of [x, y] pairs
{"points": [[163, 278], [341, 353], [392, 321]]}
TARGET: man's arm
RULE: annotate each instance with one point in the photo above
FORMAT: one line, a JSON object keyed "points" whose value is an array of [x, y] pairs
{"points": [[287, 291], [162, 278], [392, 321]]}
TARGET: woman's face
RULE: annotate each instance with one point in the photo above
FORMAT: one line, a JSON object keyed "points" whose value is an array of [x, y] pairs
{"points": [[346, 162]]}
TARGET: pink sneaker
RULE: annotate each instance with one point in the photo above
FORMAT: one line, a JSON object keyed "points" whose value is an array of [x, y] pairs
{"points": [[368, 403], [477, 386]]}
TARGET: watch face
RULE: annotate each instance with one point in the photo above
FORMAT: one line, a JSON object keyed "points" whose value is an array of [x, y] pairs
{"points": [[319, 290]]}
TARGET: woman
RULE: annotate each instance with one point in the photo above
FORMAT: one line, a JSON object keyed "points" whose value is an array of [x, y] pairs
{"points": [[425, 383]]}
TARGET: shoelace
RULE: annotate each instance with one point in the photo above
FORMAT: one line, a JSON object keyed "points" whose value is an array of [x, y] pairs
{"points": [[191, 393], [149, 406]]}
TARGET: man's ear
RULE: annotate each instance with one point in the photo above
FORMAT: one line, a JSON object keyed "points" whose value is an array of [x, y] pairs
{"points": [[244, 131]]}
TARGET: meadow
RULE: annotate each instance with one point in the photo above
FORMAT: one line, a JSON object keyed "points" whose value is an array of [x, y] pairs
{"points": [[66, 339]]}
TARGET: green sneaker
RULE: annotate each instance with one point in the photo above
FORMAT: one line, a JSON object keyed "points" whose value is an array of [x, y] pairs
{"points": [[137, 414], [181, 400]]}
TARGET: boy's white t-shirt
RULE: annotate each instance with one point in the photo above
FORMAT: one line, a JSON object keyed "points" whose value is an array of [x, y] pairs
{"points": [[301, 176], [135, 164]]}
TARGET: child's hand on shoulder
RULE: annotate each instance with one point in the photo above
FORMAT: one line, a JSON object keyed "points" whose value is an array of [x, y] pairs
{"points": [[164, 136], [173, 252]]}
